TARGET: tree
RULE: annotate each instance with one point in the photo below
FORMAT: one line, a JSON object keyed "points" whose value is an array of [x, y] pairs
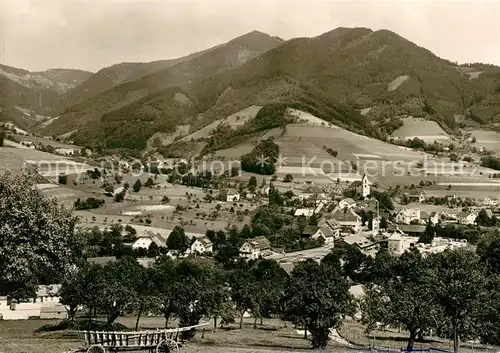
{"points": [[384, 200], [317, 296], [121, 280], [252, 183], [193, 292], [269, 284], [383, 223], [459, 284], [145, 298], [62, 179], [119, 197], [149, 183], [109, 189], [178, 240], [165, 200], [275, 197], [428, 235], [39, 244], [404, 299], [288, 178], [137, 186], [483, 219], [243, 289], [164, 278], [130, 234], [74, 289]]}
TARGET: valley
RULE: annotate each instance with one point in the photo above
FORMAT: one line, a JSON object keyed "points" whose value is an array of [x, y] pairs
{"points": [[339, 192]]}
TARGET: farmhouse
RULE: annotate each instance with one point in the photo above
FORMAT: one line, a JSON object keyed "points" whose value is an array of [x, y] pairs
{"points": [[144, 242], [466, 217], [308, 212], [490, 201], [45, 305], [364, 244], [256, 247], [202, 245], [230, 195], [416, 195], [325, 232], [346, 203], [67, 151], [407, 215], [347, 218], [310, 191]]}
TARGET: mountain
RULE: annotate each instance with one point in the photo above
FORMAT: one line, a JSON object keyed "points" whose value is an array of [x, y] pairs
{"points": [[188, 70], [25, 97], [335, 76], [115, 75]]}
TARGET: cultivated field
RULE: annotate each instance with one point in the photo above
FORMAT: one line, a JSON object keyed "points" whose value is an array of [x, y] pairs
{"points": [[49, 164], [487, 139], [233, 120], [426, 130]]}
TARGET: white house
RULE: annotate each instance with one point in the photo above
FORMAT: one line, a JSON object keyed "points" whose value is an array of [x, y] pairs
{"points": [[144, 241], [45, 304], [407, 215], [490, 201], [346, 203], [434, 218], [308, 212], [253, 248], [398, 243], [466, 217], [416, 195], [347, 218], [67, 151], [327, 234], [232, 195], [309, 191], [202, 245]]}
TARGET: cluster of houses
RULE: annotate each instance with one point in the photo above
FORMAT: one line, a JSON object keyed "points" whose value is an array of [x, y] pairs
{"points": [[44, 305]]}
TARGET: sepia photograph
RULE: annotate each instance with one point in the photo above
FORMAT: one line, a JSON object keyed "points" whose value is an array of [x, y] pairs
{"points": [[263, 176]]}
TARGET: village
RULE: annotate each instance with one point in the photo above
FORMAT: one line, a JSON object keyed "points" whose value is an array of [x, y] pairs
{"points": [[368, 220], [249, 177]]}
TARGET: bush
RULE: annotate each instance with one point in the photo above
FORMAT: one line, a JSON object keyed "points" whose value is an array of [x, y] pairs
{"points": [[137, 186], [288, 178], [88, 204], [262, 159], [490, 162], [120, 196], [63, 179]]}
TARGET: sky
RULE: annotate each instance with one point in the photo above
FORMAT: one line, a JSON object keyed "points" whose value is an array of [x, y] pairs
{"points": [[90, 35]]}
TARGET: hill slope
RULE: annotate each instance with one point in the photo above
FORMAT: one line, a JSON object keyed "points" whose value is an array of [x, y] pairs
{"points": [[330, 76], [115, 75], [24, 95], [209, 62]]}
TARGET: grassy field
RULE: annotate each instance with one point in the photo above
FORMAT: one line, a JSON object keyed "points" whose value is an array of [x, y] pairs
{"points": [[426, 130], [15, 158], [487, 139], [273, 336], [234, 120]]}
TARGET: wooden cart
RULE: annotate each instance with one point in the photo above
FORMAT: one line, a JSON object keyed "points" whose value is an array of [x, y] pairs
{"points": [[153, 341]]}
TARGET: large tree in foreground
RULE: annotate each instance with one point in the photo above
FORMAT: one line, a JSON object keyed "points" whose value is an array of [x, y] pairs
{"points": [[38, 242], [460, 285], [406, 299], [317, 296]]}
